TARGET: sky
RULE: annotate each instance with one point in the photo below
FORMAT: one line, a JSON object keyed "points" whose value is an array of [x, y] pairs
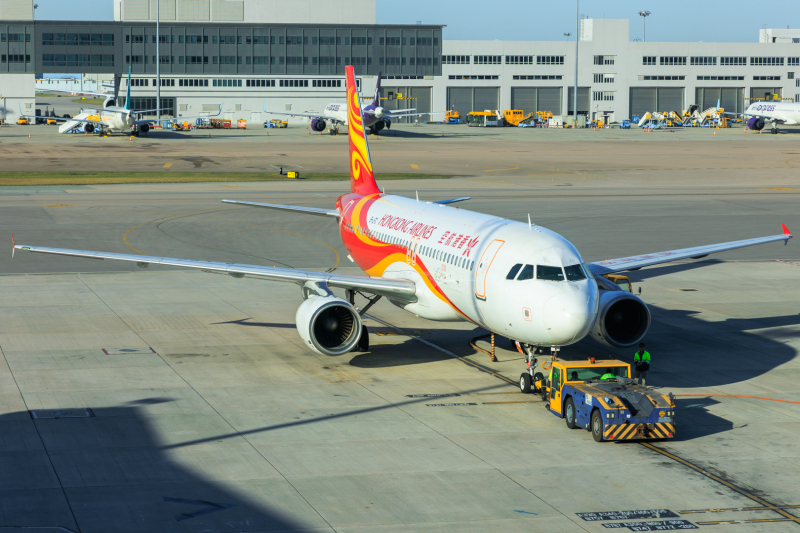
{"points": [[526, 20]]}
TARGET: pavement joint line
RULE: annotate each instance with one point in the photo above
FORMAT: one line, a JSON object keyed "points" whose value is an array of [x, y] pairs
{"points": [[732, 509], [448, 438], [735, 396], [41, 440], [125, 237], [768, 505]]}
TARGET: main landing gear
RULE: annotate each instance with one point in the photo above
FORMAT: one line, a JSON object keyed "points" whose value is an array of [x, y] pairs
{"points": [[334, 131], [363, 341]]}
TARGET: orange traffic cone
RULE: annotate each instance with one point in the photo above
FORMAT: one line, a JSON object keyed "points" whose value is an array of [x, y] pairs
{"points": [[29, 136]]}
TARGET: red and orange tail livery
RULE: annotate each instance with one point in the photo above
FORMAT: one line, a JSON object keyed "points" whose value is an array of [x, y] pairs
{"points": [[362, 179]]}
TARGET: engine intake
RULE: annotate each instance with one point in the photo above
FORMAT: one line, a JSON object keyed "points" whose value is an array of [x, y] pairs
{"points": [[622, 319], [144, 128], [110, 102], [756, 123], [328, 325], [318, 124], [88, 128]]}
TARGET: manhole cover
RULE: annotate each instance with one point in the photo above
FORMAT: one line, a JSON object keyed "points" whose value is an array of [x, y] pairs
{"points": [[84, 412], [128, 351]]}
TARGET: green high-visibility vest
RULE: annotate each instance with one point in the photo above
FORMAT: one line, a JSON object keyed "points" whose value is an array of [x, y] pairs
{"points": [[644, 358], [608, 376]]}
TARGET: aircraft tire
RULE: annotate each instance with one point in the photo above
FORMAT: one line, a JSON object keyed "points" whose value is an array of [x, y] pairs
{"points": [[525, 383], [538, 377]]}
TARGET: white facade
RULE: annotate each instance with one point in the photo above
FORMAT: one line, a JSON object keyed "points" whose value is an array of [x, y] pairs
{"points": [[87, 82], [779, 36], [16, 91], [617, 78], [16, 9], [251, 11]]}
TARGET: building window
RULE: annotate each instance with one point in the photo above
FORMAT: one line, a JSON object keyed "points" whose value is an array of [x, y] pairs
{"points": [[326, 83], [260, 83], [672, 60], [192, 82], [660, 78], [604, 60], [793, 61], [519, 60], [604, 78], [488, 60], [766, 78], [720, 78], [703, 60], [603, 96], [473, 77], [648, 60], [732, 61], [766, 61], [536, 77], [455, 60], [293, 83], [549, 60]]}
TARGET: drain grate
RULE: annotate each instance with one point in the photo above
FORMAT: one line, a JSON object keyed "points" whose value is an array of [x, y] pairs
{"points": [[81, 412], [128, 351]]}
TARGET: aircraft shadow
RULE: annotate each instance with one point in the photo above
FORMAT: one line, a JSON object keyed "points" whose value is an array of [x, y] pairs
{"points": [[115, 474], [449, 131]]}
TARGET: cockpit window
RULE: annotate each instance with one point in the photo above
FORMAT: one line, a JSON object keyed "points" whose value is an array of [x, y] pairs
{"points": [[549, 273], [527, 273], [574, 273], [513, 272]]}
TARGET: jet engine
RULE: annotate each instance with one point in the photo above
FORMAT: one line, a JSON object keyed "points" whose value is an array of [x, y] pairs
{"points": [[110, 102], [318, 124], [88, 128], [622, 319], [756, 123], [328, 325], [144, 128]]}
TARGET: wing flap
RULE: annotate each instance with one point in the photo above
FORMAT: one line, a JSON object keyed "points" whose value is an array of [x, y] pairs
{"points": [[294, 208], [397, 289], [636, 262]]}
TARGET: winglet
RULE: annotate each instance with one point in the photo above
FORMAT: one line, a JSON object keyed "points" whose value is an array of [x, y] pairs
{"points": [[785, 229]]}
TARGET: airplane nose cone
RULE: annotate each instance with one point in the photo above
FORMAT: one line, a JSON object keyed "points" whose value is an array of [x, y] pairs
{"points": [[379, 112], [568, 316]]}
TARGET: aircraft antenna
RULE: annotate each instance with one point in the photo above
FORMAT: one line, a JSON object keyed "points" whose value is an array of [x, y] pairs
{"points": [[529, 222], [417, 196]]}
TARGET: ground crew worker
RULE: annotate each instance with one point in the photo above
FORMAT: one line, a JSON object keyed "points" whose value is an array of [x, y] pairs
{"points": [[608, 375], [641, 360]]}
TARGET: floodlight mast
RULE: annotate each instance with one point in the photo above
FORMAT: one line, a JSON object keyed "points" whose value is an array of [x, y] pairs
{"points": [[644, 15], [158, 60], [577, 38]]}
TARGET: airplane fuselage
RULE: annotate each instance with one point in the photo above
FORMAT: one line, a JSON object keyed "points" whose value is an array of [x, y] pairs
{"points": [[776, 112], [113, 118], [372, 114], [460, 261]]}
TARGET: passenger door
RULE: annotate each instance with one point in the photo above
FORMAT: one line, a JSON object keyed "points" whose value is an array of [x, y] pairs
{"points": [[483, 267]]}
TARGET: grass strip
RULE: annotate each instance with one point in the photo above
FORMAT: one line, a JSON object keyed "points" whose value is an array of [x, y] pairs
{"points": [[27, 178]]}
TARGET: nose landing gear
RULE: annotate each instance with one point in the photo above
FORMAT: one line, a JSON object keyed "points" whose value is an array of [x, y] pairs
{"points": [[531, 380]]}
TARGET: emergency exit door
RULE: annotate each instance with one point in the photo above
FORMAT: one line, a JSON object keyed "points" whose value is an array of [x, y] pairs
{"points": [[483, 267]]}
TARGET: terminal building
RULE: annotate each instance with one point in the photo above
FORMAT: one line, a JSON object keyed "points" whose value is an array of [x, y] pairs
{"points": [[251, 55]]}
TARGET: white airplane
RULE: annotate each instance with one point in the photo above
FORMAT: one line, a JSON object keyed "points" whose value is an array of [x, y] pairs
{"points": [[376, 117], [775, 113], [111, 117], [440, 263]]}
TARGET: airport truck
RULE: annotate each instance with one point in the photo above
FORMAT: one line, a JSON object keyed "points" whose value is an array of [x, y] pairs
{"points": [[600, 396]]}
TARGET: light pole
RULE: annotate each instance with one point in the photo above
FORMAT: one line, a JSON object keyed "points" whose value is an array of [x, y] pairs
{"points": [[158, 61], [577, 38], [567, 35], [644, 15]]}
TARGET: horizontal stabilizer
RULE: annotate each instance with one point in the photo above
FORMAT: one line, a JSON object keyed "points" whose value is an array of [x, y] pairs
{"points": [[295, 208]]}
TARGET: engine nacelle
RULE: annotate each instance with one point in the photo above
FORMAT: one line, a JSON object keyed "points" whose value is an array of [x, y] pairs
{"points": [[88, 128], [144, 128], [622, 319], [318, 124], [756, 123], [328, 325], [110, 102]]}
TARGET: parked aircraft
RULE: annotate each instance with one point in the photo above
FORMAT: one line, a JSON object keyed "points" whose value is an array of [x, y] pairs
{"points": [[441, 263], [775, 113], [376, 117], [112, 117]]}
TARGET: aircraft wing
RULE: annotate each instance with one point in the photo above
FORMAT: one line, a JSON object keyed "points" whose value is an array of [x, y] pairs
{"points": [[309, 115], [74, 92], [397, 289], [173, 119], [779, 120], [60, 119], [453, 200], [294, 208], [636, 262]]}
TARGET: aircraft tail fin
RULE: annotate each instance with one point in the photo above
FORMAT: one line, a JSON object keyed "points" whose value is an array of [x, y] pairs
{"points": [[362, 179], [128, 98], [376, 101]]}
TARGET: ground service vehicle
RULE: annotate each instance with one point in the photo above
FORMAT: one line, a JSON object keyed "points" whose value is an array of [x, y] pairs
{"points": [[482, 119], [22, 121], [612, 409]]}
